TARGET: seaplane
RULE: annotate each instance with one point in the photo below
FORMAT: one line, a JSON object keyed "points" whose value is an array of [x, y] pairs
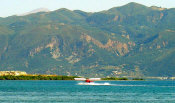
{"points": [[90, 81]]}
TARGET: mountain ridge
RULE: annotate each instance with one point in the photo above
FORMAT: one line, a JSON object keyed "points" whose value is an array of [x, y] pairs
{"points": [[132, 4], [119, 42]]}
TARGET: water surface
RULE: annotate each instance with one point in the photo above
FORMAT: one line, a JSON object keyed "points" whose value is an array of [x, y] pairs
{"points": [[71, 92]]}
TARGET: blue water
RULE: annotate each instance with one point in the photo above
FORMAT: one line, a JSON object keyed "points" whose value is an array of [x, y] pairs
{"points": [[71, 92]]}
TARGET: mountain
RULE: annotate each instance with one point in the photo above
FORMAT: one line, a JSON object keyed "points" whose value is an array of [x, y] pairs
{"points": [[131, 40], [35, 11]]}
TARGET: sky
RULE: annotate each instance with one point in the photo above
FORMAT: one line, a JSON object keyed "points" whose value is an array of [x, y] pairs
{"points": [[14, 7]]}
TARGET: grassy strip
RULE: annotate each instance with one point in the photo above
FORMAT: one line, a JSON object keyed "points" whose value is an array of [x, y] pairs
{"points": [[38, 77], [123, 78], [138, 79], [114, 78]]}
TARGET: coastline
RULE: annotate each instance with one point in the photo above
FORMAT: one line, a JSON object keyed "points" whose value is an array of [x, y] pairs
{"points": [[59, 77]]}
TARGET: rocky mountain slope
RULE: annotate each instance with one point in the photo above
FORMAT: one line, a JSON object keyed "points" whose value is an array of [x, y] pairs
{"points": [[131, 40]]}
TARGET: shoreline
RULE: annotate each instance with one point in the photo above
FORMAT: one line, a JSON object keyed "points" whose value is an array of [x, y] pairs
{"points": [[71, 78], [60, 77]]}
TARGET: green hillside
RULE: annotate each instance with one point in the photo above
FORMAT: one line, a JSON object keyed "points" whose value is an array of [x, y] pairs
{"points": [[131, 40]]}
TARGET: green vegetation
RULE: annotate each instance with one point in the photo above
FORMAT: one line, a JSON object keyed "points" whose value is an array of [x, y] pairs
{"points": [[114, 78], [131, 40], [138, 79], [38, 77], [122, 78]]}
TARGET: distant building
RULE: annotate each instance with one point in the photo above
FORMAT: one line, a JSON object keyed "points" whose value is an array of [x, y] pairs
{"points": [[13, 73]]}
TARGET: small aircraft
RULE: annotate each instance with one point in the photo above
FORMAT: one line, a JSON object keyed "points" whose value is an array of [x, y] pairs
{"points": [[90, 81]]}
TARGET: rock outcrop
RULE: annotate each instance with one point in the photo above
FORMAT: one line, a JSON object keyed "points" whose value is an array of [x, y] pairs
{"points": [[119, 47]]}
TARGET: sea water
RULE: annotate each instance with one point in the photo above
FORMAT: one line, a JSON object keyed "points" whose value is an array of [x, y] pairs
{"points": [[75, 92]]}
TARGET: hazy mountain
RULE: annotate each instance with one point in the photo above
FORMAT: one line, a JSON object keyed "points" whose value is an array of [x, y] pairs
{"points": [[131, 40], [35, 11]]}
